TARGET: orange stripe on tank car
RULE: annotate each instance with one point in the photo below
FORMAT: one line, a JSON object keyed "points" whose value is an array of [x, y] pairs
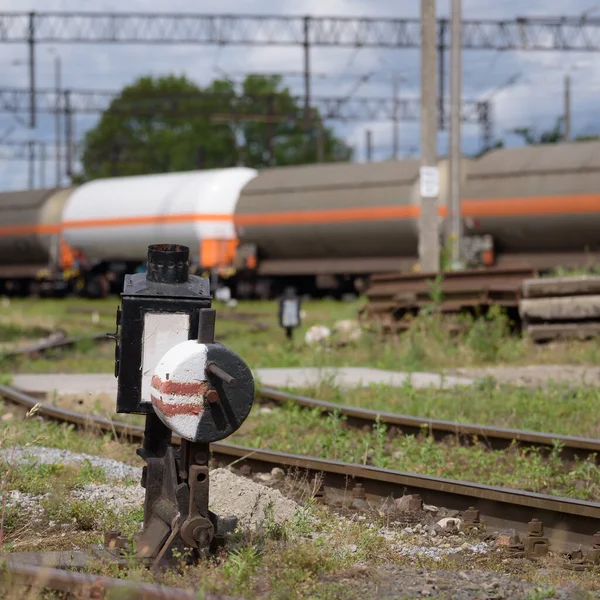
{"points": [[302, 217], [146, 220], [14, 230], [509, 207], [540, 205]]}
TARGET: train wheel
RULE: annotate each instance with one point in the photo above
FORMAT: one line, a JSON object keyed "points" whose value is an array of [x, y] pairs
{"points": [[97, 287]]}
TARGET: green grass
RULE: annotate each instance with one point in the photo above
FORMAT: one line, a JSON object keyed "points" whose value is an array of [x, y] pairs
{"points": [[314, 556], [592, 269], [14, 430], [10, 332], [427, 345], [563, 408], [298, 431]]}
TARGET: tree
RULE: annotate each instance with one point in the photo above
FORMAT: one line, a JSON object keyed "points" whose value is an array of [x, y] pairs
{"points": [[553, 136], [284, 139], [165, 124], [494, 146]]}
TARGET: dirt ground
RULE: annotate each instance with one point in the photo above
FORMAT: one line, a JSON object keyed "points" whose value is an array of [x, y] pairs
{"points": [[535, 375]]}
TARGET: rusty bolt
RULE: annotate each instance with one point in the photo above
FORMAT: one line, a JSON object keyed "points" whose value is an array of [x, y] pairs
{"points": [[597, 539], [535, 528], [202, 534], [122, 542], [358, 491], [200, 458], [110, 538], [471, 515], [415, 503], [514, 543], [212, 396]]}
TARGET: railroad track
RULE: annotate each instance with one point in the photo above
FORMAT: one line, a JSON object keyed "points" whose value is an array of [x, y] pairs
{"points": [[253, 319], [51, 343], [83, 585], [496, 438], [567, 522]]}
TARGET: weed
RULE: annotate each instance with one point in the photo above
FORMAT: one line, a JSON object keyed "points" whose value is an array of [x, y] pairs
{"points": [[436, 294], [5, 482], [380, 442], [270, 528], [520, 468], [240, 566], [541, 594], [560, 408]]}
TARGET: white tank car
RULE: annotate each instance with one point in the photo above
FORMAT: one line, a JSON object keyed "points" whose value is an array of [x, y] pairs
{"points": [[117, 219]]}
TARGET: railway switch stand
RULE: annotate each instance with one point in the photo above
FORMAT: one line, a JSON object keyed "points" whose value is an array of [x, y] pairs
{"points": [[170, 369], [289, 312]]}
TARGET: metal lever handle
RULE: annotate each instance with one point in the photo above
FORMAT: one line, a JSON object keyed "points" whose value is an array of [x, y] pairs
{"points": [[218, 372]]}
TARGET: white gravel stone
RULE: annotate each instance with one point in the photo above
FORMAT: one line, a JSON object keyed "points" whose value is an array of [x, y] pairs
{"points": [[436, 553], [231, 494], [118, 498], [42, 455], [27, 504]]}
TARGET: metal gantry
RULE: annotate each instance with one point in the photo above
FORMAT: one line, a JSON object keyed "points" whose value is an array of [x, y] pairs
{"points": [[521, 33]]}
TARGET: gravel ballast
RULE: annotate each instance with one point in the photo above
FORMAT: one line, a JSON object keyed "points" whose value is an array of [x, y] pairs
{"points": [[42, 455], [230, 494]]}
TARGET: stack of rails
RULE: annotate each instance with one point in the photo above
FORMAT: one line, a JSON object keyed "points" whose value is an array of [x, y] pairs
{"points": [[560, 308], [394, 297]]}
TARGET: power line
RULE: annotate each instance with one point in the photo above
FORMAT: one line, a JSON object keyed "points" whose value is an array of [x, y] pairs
{"points": [[357, 108]]}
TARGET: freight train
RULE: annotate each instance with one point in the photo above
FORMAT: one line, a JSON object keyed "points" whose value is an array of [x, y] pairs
{"points": [[323, 229]]}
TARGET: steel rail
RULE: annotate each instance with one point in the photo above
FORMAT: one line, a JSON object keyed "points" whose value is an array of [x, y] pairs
{"points": [[93, 586], [51, 344], [568, 522], [496, 438]]}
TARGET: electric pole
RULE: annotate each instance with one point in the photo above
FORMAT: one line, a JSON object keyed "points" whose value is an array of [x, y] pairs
{"points": [[57, 120], [567, 107], [31, 160], [369, 145], [320, 142], [42, 147], [395, 79], [68, 135], [455, 134], [429, 243]]}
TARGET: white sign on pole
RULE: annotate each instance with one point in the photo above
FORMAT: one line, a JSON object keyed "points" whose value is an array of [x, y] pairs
{"points": [[430, 182]]}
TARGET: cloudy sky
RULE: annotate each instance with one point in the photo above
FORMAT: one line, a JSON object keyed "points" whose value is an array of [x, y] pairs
{"points": [[534, 98]]}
